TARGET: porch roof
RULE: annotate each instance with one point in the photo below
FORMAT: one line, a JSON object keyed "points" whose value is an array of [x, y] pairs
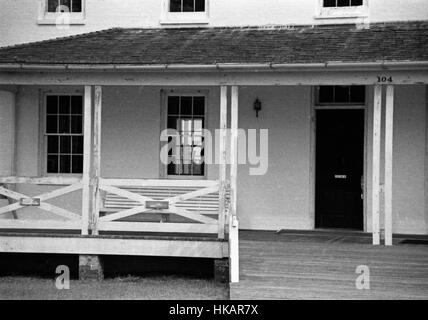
{"points": [[374, 43]]}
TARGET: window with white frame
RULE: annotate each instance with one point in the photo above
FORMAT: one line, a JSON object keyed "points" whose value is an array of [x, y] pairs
{"points": [[63, 134], [186, 117], [187, 6], [342, 9], [185, 12], [342, 3], [62, 12]]}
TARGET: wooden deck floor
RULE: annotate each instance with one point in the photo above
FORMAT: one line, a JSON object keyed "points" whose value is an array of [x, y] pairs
{"points": [[322, 265]]}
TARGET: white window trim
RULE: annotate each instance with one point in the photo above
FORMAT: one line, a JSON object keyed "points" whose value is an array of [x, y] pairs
{"points": [[43, 146], [60, 18], [342, 12], [171, 18], [164, 120]]}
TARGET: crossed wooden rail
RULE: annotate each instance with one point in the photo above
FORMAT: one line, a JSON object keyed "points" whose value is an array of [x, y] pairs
{"points": [[72, 220], [200, 223]]}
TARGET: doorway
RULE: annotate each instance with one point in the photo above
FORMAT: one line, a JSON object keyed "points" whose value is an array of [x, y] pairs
{"points": [[339, 168]]}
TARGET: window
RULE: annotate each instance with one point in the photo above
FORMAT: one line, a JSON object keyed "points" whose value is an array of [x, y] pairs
{"points": [[342, 3], [186, 115], [64, 134], [64, 6], [185, 12], [341, 95], [62, 12], [342, 9], [187, 6]]}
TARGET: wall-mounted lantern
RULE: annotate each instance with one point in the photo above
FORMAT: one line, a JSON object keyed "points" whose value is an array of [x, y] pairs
{"points": [[257, 106]]}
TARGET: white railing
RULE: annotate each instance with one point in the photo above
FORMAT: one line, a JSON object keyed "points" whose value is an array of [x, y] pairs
{"points": [[17, 201]]}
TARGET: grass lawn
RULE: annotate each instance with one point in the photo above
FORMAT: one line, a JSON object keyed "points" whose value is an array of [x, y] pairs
{"points": [[130, 288]]}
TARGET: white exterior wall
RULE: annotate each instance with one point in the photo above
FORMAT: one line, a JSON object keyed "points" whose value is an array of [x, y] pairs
{"points": [[18, 18]]}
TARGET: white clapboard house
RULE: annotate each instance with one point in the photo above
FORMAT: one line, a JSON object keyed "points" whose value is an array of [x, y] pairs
{"points": [[87, 87]]}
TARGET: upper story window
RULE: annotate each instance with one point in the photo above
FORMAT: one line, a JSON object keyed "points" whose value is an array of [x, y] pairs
{"points": [[342, 3], [340, 95], [342, 9], [62, 12], [185, 12], [64, 5], [187, 6]]}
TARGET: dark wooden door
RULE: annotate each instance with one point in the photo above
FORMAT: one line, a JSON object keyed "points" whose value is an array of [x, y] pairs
{"points": [[339, 169]]}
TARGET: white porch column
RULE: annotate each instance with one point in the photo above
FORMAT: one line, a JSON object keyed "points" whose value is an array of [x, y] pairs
{"points": [[96, 164], [377, 109], [222, 161], [389, 125], [87, 137], [233, 220], [7, 142], [7, 133]]}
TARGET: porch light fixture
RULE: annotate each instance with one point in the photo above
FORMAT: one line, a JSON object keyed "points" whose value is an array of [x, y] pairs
{"points": [[257, 106]]}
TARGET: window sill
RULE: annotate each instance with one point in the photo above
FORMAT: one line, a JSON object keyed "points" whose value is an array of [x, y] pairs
{"points": [[184, 21], [341, 16], [51, 21]]}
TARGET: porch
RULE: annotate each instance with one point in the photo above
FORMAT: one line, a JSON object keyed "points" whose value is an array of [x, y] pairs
{"points": [[323, 265]]}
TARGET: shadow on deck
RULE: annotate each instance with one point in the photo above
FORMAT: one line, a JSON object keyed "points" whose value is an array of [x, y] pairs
{"points": [[322, 265]]}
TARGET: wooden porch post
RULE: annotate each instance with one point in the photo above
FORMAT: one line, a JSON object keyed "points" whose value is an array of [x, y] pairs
{"points": [[222, 160], [87, 129], [233, 219], [377, 108], [96, 160], [389, 125]]}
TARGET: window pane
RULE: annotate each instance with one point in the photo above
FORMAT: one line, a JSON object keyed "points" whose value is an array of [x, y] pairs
{"points": [[76, 105], [175, 6], [51, 124], [76, 6], [199, 5], [356, 2], [172, 122], [52, 5], [52, 104], [343, 3], [53, 144], [77, 164], [199, 106], [186, 106], [358, 94], [65, 5], [76, 124], [64, 124], [64, 105], [65, 164], [329, 3], [77, 145], [52, 164], [341, 94], [188, 6], [173, 105], [326, 94], [65, 145]]}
